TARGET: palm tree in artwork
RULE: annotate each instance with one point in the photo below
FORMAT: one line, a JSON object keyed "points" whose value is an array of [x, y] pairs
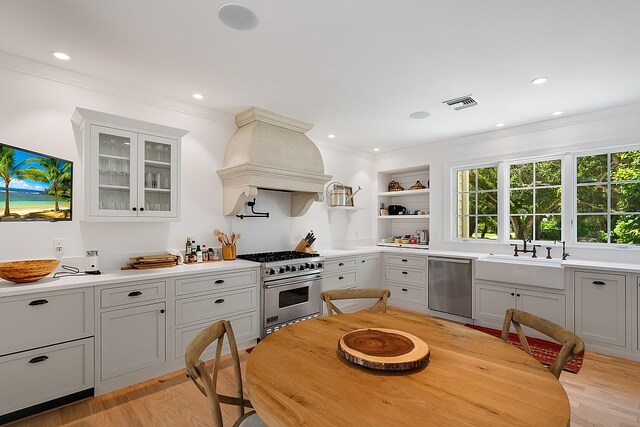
{"points": [[9, 170], [57, 173]]}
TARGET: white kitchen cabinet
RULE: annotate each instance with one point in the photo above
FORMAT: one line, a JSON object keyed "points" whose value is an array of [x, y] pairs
{"points": [[600, 301], [204, 299], [342, 273], [130, 169], [45, 335], [40, 375], [369, 271], [492, 302], [412, 200], [406, 277], [132, 339]]}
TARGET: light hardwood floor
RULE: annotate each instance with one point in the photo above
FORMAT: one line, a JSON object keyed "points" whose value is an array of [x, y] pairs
{"points": [[606, 392]]}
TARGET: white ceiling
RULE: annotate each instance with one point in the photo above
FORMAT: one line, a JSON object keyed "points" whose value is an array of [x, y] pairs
{"points": [[354, 68]]}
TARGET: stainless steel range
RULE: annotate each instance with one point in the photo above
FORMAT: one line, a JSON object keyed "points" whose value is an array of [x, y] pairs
{"points": [[290, 287]]}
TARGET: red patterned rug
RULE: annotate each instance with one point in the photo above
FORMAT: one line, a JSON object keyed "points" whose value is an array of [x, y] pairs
{"points": [[544, 352]]}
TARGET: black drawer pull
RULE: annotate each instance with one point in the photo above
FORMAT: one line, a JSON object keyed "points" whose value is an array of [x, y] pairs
{"points": [[38, 359], [512, 294], [404, 272], [517, 295], [405, 290], [340, 278], [341, 264], [404, 260], [135, 294], [219, 301], [39, 302], [162, 311], [363, 261], [599, 282], [217, 282]]}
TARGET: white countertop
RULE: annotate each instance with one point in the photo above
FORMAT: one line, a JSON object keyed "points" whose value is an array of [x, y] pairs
{"points": [[602, 265], [70, 282], [333, 253]]}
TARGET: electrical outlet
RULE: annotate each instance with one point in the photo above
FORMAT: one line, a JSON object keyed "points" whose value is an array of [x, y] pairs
{"points": [[58, 247]]}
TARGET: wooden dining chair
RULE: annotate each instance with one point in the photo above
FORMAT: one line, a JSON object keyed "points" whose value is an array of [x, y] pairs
{"points": [[206, 379], [571, 343], [381, 294]]}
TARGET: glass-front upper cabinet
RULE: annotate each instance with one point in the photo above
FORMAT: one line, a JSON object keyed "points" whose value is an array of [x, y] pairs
{"points": [[128, 174]]}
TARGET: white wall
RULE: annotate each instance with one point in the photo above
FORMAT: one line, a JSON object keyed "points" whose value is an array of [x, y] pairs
{"points": [[35, 114], [614, 127]]}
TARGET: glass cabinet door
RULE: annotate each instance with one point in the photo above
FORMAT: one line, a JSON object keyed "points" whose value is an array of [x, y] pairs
{"points": [[158, 176], [113, 179]]}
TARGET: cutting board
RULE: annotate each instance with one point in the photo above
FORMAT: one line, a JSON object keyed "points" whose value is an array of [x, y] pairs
{"points": [[384, 349]]}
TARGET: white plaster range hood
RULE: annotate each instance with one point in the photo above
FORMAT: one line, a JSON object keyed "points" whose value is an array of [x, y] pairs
{"points": [[271, 152]]}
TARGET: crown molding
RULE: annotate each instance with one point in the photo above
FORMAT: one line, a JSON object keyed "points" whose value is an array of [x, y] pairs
{"points": [[48, 72], [343, 149]]}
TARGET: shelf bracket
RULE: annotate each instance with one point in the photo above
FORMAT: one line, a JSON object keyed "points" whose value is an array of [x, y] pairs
{"points": [[255, 214]]}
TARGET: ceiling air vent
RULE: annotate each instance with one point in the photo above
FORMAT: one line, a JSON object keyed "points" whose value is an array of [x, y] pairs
{"points": [[462, 102]]}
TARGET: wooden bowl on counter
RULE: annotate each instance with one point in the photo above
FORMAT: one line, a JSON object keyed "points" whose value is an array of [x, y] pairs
{"points": [[27, 271]]}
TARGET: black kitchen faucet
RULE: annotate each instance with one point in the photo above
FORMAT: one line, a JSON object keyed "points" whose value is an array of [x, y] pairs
{"points": [[524, 249]]}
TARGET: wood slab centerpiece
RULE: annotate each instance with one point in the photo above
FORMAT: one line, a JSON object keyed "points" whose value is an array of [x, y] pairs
{"points": [[384, 349]]}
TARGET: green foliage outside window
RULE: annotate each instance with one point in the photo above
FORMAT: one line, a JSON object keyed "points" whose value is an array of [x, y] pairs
{"points": [[608, 198], [477, 203], [535, 200]]}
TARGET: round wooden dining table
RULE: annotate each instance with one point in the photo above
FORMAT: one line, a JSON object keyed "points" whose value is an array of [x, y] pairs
{"points": [[297, 377]]}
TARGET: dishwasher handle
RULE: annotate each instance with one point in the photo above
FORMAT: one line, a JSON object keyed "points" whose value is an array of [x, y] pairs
{"points": [[456, 260]]}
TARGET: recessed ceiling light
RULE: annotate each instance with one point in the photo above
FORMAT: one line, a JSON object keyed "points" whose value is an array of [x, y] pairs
{"points": [[376, 149], [331, 136], [499, 125], [539, 80], [237, 16], [420, 115], [198, 96], [557, 113], [61, 56]]}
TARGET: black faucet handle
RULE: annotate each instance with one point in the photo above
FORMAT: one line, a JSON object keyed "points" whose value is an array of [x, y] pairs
{"points": [[515, 249], [548, 248], [534, 251]]}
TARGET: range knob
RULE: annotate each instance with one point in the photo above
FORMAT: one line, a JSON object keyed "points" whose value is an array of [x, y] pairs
{"points": [[307, 265], [301, 267], [319, 265], [281, 270], [293, 268], [288, 268], [311, 266], [272, 271]]}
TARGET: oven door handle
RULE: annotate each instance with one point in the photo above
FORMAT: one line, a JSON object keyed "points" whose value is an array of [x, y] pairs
{"points": [[280, 284]]}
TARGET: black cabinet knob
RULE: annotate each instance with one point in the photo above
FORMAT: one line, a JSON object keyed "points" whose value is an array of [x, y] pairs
{"points": [[141, 209], [134, 209], [162, 311]]}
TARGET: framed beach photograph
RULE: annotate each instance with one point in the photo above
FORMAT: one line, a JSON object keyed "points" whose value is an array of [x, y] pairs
{"points": [[34, 186]]}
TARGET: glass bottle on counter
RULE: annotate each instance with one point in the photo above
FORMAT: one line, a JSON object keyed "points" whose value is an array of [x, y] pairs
{"points": [[198, 254], [187, 252]]}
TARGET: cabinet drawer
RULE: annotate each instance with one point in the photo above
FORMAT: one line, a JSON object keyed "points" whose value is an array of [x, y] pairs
{"points": [[215, 282], [340, 264], [407, 275], [37, 376], [215, 305], [138, 292], [407, 295], [36, 320], [407, 260], [339, 280], [245, 327]]}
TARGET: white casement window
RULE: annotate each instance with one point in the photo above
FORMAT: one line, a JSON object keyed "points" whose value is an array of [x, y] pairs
{"points": [[476, 209], [535, 200], [607, 208]]}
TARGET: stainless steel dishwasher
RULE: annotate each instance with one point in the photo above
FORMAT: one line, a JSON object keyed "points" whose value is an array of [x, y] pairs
{"points": [[450, 285]]}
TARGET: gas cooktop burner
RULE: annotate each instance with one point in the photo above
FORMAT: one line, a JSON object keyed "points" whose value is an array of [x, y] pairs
{"points": [[276, 256]]}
